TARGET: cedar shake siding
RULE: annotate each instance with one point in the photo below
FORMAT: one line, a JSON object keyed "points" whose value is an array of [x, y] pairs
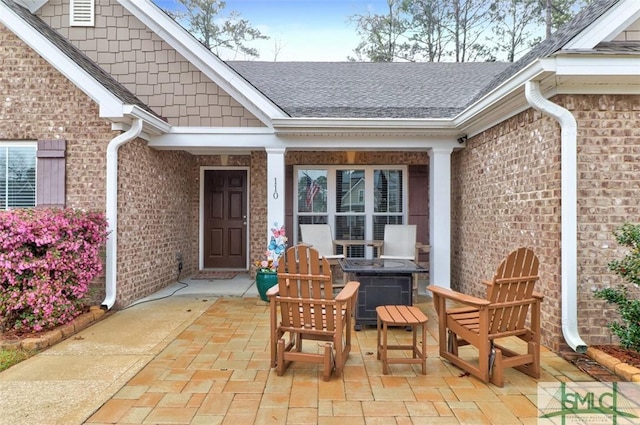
{"points": [[506, 193], [147, 66]]}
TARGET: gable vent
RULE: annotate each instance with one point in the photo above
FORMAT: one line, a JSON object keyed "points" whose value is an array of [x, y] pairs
{"points": [[81, 13]]}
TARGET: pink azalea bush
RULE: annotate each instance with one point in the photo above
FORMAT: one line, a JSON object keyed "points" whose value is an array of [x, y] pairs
{"points": [[48, 258]]}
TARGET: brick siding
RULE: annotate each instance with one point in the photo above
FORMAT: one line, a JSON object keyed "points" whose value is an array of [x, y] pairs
{"points": [[156, 188], [38, 103], [506, 193]]}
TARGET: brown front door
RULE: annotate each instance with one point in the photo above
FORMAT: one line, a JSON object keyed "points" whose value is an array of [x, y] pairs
{"points": [[225, 219]]}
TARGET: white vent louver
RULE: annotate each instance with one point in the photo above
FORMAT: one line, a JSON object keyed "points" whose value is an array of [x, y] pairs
{"points": [[81, 13]]}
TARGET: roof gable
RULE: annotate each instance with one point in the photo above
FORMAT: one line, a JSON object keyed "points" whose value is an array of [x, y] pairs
{"points": [[203, 59], [588, 21], [77, 60]]}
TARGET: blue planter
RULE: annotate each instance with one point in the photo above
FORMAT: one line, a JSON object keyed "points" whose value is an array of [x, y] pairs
{"points": [[264, 281]]}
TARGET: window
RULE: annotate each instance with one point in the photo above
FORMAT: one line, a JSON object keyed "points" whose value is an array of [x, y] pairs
{"points": [[355, 202], [17, 175]]}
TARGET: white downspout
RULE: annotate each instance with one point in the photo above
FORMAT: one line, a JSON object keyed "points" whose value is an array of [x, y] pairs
{"points": [[569, 212], [112, 210]]}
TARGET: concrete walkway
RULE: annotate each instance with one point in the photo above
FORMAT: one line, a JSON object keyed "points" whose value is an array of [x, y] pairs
{"points": [[66, 383], [199, 358]]}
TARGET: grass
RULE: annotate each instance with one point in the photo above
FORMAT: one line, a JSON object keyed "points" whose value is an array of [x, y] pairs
{"points": [[10, 357]]}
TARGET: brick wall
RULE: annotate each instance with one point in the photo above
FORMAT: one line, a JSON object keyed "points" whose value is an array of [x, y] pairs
{"points": [[38, 103], [609, 195], [149, 67], [506, 193], [155, 212], [155, 187]]}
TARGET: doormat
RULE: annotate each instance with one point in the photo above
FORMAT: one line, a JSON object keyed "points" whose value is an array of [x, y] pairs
{"points": [[211, 275]]}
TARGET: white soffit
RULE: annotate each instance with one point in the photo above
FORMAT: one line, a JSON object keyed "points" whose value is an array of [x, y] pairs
{"points": [[615, 20], [208, 63]]}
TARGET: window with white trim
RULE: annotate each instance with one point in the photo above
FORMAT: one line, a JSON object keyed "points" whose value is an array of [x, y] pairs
{"points": [[81, 13], [356, 202], [17, 175]]}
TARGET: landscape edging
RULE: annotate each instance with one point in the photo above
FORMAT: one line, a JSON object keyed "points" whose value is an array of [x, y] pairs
{"points": [[623, 370], [50, 338]]}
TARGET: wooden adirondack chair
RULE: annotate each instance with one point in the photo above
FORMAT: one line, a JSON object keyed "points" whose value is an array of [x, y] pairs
{"points": [[510, 299], [308, 311]]}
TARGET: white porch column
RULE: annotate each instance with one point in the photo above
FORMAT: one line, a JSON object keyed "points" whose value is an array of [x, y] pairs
{"points": [[275, 188], [440, 216]]}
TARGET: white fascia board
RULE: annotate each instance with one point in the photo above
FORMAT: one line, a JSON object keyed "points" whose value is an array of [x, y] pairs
{"points": [[230, 140], [248, 139], [371, 142], [284, 126], [608, 26], [203, 59], [484, 113], [508, 99], [601, 65], [110, 105]]}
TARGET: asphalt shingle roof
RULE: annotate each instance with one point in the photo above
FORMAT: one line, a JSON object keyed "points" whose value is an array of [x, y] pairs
{"points": [[361, 89], [369, 90], [399, 90]]}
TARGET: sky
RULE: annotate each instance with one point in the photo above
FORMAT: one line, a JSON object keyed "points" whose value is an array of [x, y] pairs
{"points": [[305, 30]]}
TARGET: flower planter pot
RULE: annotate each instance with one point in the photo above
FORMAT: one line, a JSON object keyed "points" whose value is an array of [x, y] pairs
{"points": [[264, 281]]}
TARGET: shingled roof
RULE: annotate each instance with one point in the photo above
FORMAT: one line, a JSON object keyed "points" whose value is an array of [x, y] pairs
{"points": [[398, 90], [83, 61], [369, 90], [427, 90], [554, 43]]}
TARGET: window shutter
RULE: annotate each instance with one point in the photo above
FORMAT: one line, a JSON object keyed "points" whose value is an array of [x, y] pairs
{"points": [[50, 187], [81, 13]]}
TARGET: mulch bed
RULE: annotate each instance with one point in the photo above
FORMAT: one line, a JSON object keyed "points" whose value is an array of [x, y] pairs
{"points": [[627, 356]]}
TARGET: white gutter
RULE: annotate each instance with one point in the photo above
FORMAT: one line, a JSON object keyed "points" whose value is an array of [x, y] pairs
{"points": [[112, 209], [569, 212]]}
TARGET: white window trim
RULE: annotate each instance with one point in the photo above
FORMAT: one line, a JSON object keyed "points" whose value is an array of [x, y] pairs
{"points": [[82, 13], [21, 144], [331, 190]]}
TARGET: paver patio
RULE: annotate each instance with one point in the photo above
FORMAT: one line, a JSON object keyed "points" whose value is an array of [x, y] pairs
{"points": [[217, 371]]}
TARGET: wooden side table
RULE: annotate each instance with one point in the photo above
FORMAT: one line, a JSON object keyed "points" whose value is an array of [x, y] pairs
{"points": [[402, 315]]}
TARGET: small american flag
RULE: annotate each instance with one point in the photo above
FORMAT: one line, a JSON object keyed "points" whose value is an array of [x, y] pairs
{"points": [[312, 189]]}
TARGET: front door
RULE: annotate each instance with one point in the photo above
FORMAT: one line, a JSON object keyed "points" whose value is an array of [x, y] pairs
{"points": [[225, 219]]}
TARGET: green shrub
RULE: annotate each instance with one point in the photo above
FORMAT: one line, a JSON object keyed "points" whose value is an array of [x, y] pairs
{"points": [[628, 330]]}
